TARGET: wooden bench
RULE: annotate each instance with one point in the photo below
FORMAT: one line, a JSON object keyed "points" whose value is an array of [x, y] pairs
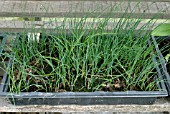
{"points": [[145, 9], [15, 17]]}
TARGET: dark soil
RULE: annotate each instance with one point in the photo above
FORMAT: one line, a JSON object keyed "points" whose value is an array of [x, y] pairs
{"points": [[0, 79], [165, 42], [3, 58]]}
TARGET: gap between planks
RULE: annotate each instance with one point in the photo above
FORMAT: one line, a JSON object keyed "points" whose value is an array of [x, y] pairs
{"points": [[30, 26]]}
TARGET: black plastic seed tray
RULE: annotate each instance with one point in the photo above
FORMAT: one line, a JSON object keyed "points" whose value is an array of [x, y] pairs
{"points": [[83, 98], [86, 98]]}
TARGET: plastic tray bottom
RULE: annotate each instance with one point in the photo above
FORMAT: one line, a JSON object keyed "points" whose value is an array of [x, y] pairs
{"points": [[83, 101]]}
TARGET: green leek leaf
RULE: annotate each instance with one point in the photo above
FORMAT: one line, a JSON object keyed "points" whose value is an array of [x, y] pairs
{"points": [[162, 30]]}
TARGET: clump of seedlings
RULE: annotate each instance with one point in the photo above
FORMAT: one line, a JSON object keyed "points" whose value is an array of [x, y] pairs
{"points": [[87, 58]]}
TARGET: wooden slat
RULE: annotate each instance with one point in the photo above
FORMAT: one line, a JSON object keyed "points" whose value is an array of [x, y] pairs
{"points": [[86, 8], [97, 0], [38, 26]]}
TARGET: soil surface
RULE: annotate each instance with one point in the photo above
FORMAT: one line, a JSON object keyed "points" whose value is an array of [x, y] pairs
{"points": [[166, 43]]}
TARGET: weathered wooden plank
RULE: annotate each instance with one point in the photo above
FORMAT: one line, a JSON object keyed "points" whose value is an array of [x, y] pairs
{"points": [[104, 112], [84, 8], [38, 26], [95, 0]]}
